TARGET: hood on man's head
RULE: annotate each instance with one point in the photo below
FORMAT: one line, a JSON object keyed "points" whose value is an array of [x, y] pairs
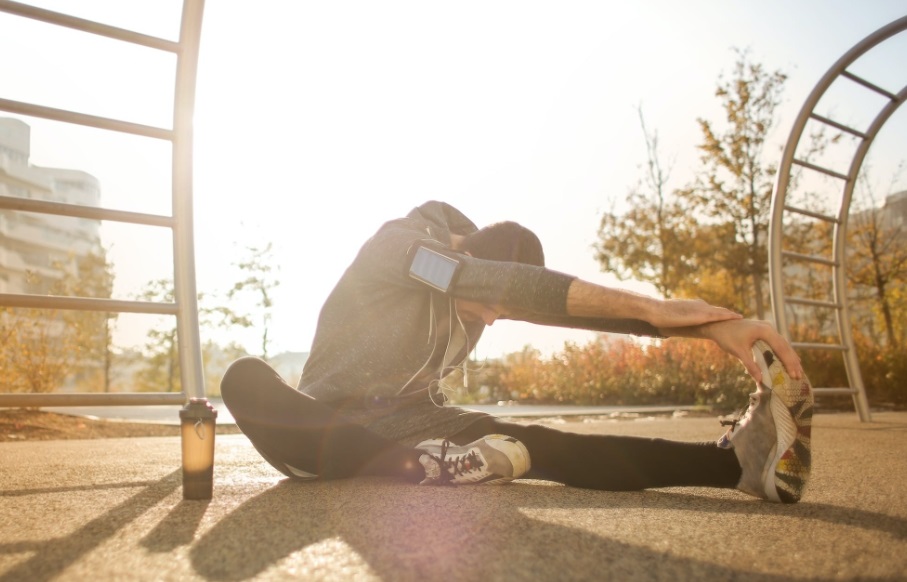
{"points": [[443, 216]]}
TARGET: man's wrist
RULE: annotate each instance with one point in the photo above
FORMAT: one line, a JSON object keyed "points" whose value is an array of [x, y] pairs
{"points": [[650, 309], [692, 332]]}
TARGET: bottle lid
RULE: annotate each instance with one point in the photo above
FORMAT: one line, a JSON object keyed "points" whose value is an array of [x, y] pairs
{"points": [[198, 408]]}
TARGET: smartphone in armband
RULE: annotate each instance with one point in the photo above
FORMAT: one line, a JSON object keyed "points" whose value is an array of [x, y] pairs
{"points": [[433, 269]]}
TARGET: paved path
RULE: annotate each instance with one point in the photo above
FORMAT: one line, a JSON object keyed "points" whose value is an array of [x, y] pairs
{"points": [[113, 510], [170, 414]]}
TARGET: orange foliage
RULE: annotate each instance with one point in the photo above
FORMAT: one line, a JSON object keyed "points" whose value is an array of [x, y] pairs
{"points": [[624, 371]]}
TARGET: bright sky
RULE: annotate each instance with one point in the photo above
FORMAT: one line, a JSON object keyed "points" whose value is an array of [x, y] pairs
{"points": [[318, 121]]}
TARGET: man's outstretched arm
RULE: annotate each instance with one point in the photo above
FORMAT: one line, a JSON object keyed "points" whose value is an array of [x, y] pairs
{"points": [[685, 318], [586, 299]]}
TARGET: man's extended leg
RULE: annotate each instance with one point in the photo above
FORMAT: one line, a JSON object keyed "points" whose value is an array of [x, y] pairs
{"points": [[302, 437], [766, 453], [614, 463]]}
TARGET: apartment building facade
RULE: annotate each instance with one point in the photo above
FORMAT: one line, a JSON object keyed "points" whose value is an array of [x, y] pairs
{"points": [[38, 249]]}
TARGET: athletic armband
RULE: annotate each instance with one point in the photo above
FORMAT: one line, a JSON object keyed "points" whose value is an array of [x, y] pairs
{"points": [[434, 269]]}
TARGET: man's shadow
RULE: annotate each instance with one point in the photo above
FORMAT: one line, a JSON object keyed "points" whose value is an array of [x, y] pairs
{"points": [[407, 532]]}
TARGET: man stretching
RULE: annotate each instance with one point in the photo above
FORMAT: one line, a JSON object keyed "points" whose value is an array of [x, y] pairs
{"points": [[412, 306]]}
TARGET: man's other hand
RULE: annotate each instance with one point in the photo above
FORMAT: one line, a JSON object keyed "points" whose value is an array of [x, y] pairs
{"points": [[737, 337]]}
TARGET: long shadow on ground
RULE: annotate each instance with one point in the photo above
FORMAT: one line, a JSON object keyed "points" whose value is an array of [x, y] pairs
{"points": [[407, 532]]}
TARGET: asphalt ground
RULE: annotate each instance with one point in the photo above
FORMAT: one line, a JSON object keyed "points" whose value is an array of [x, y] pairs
{"points": [[113, 510]]}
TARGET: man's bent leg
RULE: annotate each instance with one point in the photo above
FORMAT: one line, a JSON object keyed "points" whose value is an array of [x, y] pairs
{"points": [[304, 438]]}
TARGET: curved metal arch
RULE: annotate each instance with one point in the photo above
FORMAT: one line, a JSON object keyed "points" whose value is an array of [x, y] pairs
{"points": [[780, 207]]}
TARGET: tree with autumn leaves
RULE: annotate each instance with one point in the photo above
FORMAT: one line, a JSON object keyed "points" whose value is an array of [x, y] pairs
{"points": [[43, 349], [877, 262], [709, 240]]}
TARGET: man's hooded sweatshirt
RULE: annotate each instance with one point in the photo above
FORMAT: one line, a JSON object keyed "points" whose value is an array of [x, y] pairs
{"points": [[385, 340]]}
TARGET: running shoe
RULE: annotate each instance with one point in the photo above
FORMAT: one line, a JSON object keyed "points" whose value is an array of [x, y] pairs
{"points": [[494, 459], [772, 439]]}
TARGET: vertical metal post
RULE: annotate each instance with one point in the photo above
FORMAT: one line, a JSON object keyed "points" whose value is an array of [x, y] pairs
{"points": [[189, 343]]}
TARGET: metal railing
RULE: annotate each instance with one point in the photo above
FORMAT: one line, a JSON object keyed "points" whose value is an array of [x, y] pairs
{"points": [[778, 257], [180, 222]]}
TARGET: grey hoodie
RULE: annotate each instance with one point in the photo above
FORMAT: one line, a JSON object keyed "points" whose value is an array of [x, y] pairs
{"points": [[384, 338]]}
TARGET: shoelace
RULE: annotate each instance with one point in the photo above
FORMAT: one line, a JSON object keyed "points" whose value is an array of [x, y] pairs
{"points": [[740, 417], [454, 465], [731, 423]]}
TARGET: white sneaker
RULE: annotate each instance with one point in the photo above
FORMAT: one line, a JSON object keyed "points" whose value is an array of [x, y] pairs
{"points": [[492, 459], [772, 439]]}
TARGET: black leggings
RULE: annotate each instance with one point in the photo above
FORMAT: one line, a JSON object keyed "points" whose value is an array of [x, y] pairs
{"points": [[610, 462], [290, 428]]}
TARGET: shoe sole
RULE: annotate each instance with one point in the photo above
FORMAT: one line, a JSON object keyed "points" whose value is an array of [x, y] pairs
{"points": [[787, 472]]}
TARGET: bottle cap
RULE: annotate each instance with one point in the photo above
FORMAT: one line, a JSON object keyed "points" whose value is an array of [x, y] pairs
{"points": [[198, 408]]}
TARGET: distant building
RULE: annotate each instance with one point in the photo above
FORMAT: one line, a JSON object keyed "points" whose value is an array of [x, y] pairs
{"points": [[41, 244], [895, 210]]}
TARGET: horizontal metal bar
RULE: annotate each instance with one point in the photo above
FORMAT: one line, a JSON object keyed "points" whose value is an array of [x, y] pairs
{"points": [[837, 125], [814, 302], [868, 85], [90, 212], [825, 171], [84, 119], [809, 258], [819, 346], [86, 304], [812, 214], [51, 17], [92, 399], [835, 390]]}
